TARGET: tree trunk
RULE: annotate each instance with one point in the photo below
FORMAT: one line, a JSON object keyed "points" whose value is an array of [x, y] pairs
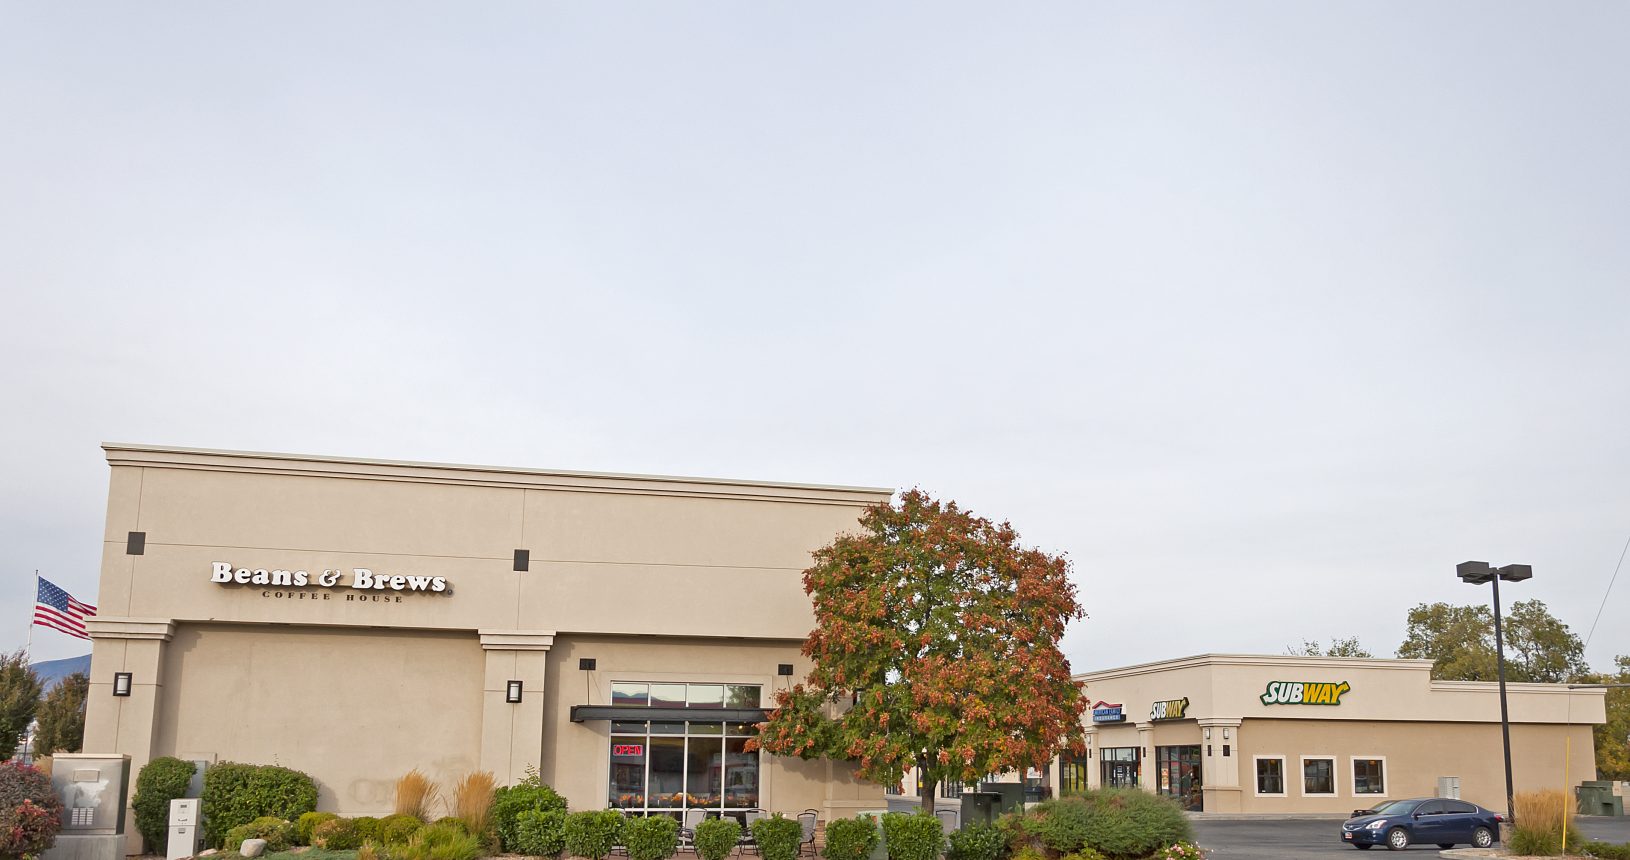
{"points": [[927, 793]]}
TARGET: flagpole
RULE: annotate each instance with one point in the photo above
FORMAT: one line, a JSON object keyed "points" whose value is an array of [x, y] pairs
{"points": [[29, 648]]}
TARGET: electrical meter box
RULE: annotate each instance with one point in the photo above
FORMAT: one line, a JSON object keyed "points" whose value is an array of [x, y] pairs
{"points": [[93, 790], [184, 828]]}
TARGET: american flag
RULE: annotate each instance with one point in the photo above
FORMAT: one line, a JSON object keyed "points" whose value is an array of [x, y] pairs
{"points": [[58, 610]]}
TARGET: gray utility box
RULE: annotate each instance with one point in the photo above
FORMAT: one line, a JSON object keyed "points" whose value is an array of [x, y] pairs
{"points": [[1449, 786], [979, 807], [1010, 795], [184, 827], [93, 789]]}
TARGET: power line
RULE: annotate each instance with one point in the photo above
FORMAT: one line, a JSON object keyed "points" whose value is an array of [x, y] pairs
{"points": [[1609, 591]]}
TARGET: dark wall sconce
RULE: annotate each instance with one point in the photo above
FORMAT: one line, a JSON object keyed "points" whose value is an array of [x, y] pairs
{"points": [[784, 670], [587, 664], [121, 683], [512, 692]]}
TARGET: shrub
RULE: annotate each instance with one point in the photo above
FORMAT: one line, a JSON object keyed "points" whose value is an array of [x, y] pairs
{"points": [[397, 829], [279, 834], [439, 842], [973, 842], [367, 827], [778, 837], [337, 834], [717, 837], [452, 821], [591, 835], [160, 781], [913, 836], [1607, 850], [1091, 854], [1540, 817], [529, 794], [472, 801], [415, 795], [237, 794], [539, 833], [307, 822], [653, 838], [1116, 821], [28, 829], [1029, 852], [1180, 851], [851, 839]]}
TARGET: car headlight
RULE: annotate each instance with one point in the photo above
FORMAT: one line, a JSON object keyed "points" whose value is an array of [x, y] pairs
{"points": [[1376, 825]]}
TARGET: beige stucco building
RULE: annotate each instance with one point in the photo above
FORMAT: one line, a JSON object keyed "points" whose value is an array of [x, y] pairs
{"points": [[1234, 733], [354, 619]]}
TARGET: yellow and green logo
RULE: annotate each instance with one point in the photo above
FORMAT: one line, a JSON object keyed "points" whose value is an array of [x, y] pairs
{"points": [[1304, 693]]}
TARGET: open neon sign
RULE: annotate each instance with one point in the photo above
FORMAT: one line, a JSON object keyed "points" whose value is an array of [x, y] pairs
{"points": [[628, 749]]}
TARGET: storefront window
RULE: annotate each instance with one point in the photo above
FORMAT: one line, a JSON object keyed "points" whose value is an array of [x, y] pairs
{"points": [[1369, 776], [696, 764], [1270, 776], [1120, 767], [1072, 776], [1177, 771], [1318, 776]]}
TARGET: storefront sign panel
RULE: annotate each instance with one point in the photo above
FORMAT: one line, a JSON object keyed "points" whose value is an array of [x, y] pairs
{"points": [[1104, 712], [1304, 693], [1171, 709], [360, 578]]}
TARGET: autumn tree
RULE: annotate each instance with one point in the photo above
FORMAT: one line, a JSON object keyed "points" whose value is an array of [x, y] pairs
{"points": [[1349, 647], [62, 716], [19, 696], [1613, 736], [935, 647], [1459, 640]]}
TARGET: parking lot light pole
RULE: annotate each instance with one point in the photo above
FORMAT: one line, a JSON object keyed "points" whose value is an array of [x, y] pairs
{"points": [[1477, 573]]}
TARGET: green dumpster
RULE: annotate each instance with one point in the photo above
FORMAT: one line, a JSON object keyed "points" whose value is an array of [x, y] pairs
{"points": [[979, 807], [1012, 795], [1597, 798]]}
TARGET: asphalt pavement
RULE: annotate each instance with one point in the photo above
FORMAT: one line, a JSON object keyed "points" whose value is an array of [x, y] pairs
{"points": [[1292, 840]]}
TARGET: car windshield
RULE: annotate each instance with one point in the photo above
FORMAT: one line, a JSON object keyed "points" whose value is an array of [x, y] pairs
{"points": [[1397, 807]]}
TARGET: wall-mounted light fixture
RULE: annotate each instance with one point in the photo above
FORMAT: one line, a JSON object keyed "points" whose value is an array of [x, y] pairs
{"points": [[1208, 733], [587, 664], [512, 692], [121, 683], [784, 670], [1225, 733]]}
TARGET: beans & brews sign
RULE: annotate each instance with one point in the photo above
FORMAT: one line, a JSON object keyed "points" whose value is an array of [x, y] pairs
{"points": [[360, 583]]}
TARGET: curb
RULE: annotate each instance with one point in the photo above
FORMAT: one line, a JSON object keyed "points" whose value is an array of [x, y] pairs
{"points": [[1267, 816]]}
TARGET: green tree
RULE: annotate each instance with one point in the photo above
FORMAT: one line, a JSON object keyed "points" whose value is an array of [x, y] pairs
{"points": [[62, 716], [1348, 647], [1459, 640], [935, 648], [19, 697], [1613, 736]]}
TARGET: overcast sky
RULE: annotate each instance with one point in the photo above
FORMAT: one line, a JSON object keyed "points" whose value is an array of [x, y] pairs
{"points": [[1266, 314]]}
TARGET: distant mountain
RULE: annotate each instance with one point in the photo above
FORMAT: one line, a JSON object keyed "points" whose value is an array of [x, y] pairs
{"points": [[52, 671]]}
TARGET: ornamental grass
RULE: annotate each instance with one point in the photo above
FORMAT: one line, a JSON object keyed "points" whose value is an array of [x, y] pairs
{"points": [[472, 801], [416, 795], [1540, 816]]}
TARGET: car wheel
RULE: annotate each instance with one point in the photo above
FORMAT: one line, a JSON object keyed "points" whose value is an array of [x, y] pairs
{"points": [[1482, 837], [1397, 839]]}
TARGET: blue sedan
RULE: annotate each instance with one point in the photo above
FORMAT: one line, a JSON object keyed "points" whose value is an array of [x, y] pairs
{"points": [[1432, 820]]}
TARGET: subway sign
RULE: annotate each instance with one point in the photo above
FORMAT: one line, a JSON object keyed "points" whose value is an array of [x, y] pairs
{"points": [[1171, 709], [1304, 693]]}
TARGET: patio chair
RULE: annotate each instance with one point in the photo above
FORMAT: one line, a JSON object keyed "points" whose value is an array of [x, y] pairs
{"points": [[808, 819], [746, 843], [687, 827], [948, 819]]}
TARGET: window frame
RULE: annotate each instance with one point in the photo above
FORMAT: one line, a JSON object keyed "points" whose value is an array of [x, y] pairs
{"points": [[1256, 776], [1335, 776], [1386, 778]]}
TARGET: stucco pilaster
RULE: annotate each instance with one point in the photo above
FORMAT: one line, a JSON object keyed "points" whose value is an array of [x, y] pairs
{"points": [[126, 724], [512, 732]]}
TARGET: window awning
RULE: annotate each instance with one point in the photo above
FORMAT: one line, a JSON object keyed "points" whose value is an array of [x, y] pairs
{"points": [[584, 713]]}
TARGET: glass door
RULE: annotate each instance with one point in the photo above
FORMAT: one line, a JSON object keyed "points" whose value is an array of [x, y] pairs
{"points": [[1119, 767], [1177, 775]]}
